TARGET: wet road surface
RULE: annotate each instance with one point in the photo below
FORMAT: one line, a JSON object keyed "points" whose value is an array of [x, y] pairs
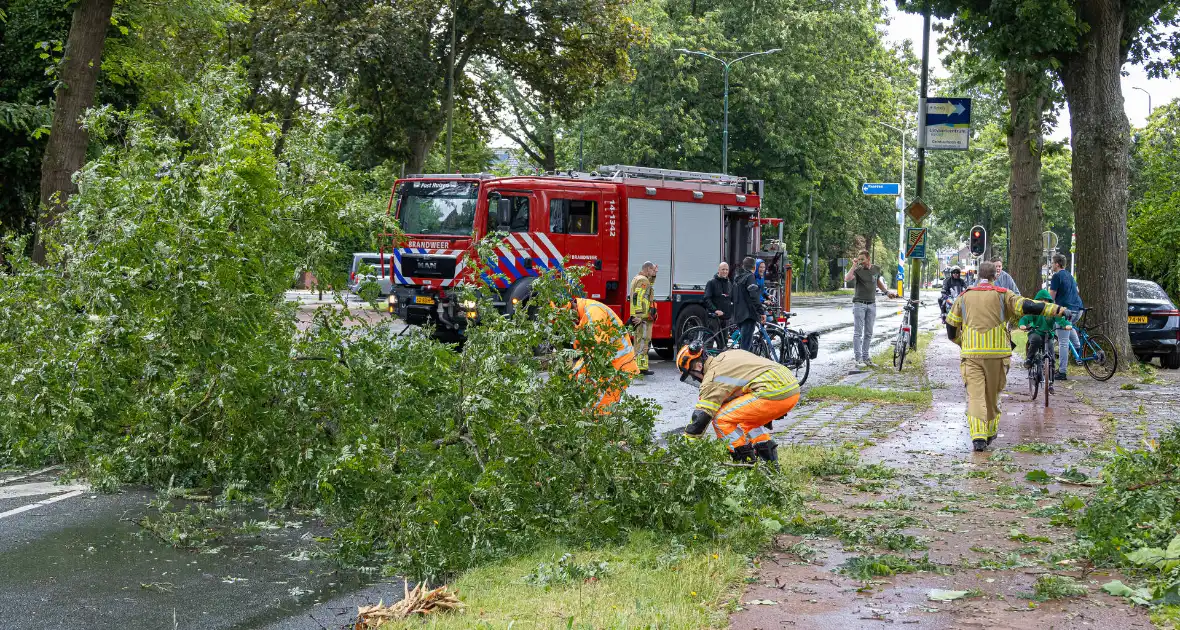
{"points": [[831, 317]]}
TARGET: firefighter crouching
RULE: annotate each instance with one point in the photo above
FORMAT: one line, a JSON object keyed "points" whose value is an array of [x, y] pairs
{"points": [[978, 322], [608, 329], [741, 394], [643, 313]]}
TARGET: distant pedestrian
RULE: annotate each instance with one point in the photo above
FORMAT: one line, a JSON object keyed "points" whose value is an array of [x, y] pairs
{"points": [[1064, 290], [867, 277], [1003, 280], [719, 295], [747, 302], [643, 313], [978, 323]]}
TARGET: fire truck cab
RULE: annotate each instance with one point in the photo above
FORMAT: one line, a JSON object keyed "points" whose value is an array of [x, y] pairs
{"points": [[611, 220]]}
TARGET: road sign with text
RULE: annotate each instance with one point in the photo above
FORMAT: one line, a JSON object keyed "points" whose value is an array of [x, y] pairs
{"points": [[881, 189], [948, 123]]}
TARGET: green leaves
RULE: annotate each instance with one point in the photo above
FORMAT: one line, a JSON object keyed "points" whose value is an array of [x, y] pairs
{"points": [[1141, 596], [1038, 476]]}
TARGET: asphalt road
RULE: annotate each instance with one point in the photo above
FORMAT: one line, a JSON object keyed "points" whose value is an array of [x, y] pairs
{"points": [[71, 558], [830, 317]]}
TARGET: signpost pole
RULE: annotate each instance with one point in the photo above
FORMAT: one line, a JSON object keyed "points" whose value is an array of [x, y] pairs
{"points": [[901, 215], [921, 183]]}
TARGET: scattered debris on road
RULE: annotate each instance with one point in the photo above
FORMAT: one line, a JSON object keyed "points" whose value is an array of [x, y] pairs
{"points": [[418, 601]]}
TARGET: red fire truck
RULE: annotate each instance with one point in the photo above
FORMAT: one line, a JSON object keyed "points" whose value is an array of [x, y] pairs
{"points": [[611, 220]]}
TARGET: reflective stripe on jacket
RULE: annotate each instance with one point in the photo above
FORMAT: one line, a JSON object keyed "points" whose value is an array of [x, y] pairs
{"points": [[735, 373], [641, 297], [981, 314], [605, 322]]}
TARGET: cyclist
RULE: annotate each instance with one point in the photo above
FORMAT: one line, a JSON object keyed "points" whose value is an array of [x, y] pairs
{"points": [[1039, 327], [978, 323], [951, 289], [747, 302], [741, 395]]}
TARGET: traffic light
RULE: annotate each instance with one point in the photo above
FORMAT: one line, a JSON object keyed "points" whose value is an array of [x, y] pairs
{"points": [[978, 241]]}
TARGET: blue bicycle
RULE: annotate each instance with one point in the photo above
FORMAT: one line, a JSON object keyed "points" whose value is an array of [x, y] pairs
{"points": [[1096, 351], [789, 348]]}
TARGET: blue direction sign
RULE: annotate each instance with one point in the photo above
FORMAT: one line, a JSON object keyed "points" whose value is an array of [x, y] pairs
{"points": [[948, 123], [891, 190]]}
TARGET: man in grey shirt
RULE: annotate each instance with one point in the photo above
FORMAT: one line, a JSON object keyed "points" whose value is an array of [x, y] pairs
{"points": [[866, 277], [1003, 279]]}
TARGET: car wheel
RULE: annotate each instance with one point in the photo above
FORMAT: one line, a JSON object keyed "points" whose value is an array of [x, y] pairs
{"points": [[1171, 361], [691, 316]]}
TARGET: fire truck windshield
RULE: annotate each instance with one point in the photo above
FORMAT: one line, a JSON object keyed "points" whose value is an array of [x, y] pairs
{"points": [[437, 207]]}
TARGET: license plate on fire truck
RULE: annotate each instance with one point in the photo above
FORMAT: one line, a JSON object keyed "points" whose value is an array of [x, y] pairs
{"points": [[423, 299]]}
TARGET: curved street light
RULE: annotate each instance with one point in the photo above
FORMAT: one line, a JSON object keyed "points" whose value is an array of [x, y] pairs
{"points": [[725, 65]]}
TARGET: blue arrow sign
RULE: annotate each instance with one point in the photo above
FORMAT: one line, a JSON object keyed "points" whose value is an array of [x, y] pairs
{"points": [[881, 189]]}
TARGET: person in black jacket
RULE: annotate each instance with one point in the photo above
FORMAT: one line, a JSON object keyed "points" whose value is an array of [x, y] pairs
{"points": [[719, 295], [747, 302]]}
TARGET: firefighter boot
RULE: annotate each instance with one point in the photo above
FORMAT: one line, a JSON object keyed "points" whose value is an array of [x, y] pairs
{"points": [[768, 452], [743, 454]]}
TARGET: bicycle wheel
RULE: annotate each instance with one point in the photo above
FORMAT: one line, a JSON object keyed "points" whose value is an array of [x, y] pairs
{"points": [[709, 338], [1100, 357], [802, 358], [1034, 379], [900, 346], [1047, 374], [764, 344], [780, 344]]}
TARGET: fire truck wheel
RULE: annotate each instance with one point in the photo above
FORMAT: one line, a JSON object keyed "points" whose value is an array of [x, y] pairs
{"points": [[690, 317]]}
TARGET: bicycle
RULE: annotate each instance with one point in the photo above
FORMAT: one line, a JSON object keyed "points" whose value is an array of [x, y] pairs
{"points": [[901, 343], [1097, 352], [786, 347], [1041, 370]]}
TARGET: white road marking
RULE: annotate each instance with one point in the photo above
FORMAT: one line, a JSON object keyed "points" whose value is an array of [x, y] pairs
{"points": [[33, 506], [38, 488], [27, 475]]}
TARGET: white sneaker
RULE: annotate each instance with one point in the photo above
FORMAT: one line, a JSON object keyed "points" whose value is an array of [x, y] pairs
{"points": [[860, 363], [869, 363]]}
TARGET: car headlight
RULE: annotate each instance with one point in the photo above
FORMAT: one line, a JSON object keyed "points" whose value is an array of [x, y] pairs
{"points": [[467, 305]]}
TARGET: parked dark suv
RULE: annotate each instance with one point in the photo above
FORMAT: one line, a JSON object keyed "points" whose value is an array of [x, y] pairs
{"points": [[1154, 323]]}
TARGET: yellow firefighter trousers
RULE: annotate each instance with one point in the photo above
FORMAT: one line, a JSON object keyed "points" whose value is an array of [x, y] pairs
{"points": [[642, 339], [985, 379]]}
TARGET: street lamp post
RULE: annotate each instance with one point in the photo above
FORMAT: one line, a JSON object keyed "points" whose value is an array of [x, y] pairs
{"points": [[725, 71], [900, 215], [1148, 98]]}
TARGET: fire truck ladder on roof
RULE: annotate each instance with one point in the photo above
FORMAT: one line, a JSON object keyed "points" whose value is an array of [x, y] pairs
{"points": [[666, 173]]}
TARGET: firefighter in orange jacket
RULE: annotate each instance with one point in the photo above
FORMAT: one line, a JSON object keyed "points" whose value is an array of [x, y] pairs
{"points": [[608, 328], [978, 323], [741, 394]]}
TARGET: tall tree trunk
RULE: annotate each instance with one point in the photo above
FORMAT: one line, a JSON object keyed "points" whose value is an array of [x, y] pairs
{"points": [[1101, 140], [289, 108], [66, 150], [1026, 102], [421, 141]]}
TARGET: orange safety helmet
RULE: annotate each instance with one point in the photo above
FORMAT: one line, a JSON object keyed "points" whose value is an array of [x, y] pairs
{"points": [[688, 354]]}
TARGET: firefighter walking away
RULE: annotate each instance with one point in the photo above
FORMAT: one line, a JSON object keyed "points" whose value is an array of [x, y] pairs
{"points": [[978, 322], [741, 395], [643, 313]]}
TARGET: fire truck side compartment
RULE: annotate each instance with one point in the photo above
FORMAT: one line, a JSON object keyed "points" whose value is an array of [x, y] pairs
{"points": [[649, 237], [696, 248]]}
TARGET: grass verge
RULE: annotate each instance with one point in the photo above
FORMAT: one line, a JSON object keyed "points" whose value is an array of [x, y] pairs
{"points": [[865, 394], [650, 582], [915, 359], [647, 583]]}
